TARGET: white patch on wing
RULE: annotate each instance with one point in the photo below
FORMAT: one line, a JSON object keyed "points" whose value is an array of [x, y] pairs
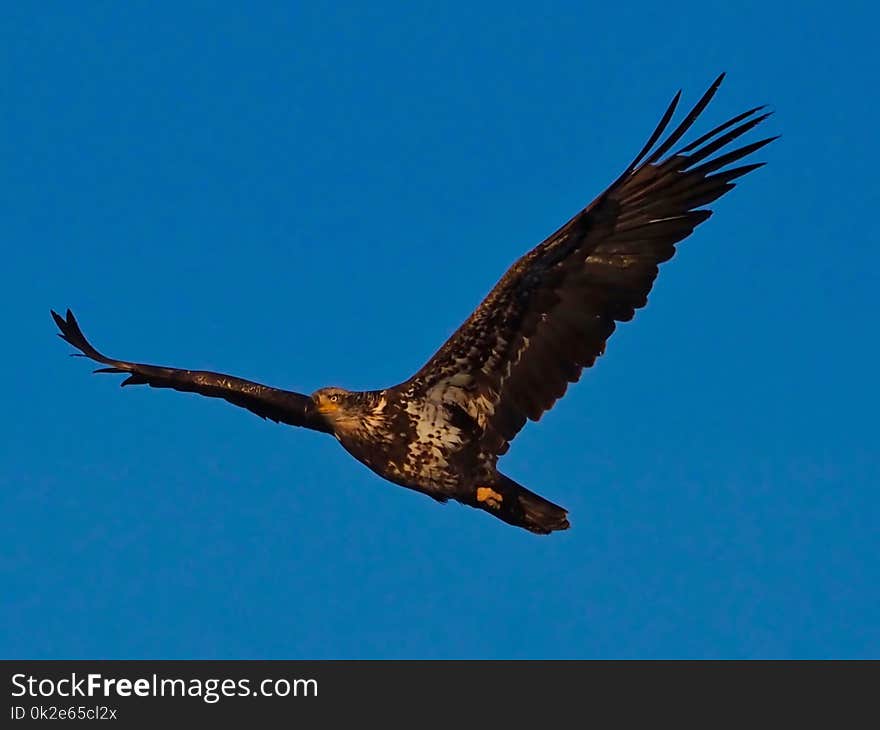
{"points": [[436, 438], [478, 406], [432, 424]]}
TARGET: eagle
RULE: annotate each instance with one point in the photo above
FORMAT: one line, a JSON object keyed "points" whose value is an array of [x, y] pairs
{"points": [[442, 431]]}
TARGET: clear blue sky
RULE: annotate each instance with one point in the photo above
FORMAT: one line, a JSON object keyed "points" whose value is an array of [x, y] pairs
{"points": [[307, 197]]}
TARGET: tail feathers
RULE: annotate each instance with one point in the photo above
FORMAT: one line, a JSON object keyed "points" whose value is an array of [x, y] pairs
{"points": [[541, 515], [518, 506]]}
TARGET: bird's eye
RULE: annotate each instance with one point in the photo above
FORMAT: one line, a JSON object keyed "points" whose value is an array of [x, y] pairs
{"points": [[334, 398]]}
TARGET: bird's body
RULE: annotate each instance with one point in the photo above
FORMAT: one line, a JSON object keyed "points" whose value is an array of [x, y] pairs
{"points": [[413, 441], [442, 431]]}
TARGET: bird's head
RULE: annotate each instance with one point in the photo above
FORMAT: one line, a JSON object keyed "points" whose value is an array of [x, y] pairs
{"points": [[334, 403]]}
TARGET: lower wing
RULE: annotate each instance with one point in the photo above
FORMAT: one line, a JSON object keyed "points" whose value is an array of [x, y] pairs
{"points": [[282, 406]]}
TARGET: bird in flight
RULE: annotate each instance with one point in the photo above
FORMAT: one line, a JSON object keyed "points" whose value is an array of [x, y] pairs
{"points": [[442, 431]]}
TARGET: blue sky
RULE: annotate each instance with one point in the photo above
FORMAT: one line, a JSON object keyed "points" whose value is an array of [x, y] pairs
{"points": [[308, 195]]}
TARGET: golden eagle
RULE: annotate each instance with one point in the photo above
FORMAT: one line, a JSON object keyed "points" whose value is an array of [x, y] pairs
{"points": [[441, 432]]}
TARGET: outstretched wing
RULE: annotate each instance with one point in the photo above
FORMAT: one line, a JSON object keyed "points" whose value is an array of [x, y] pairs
{"points": [[551, 313], [278, 405]]}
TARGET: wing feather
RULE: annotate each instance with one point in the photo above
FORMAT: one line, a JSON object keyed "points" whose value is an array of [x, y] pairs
{"points": [[282, 406], [552, 312]]}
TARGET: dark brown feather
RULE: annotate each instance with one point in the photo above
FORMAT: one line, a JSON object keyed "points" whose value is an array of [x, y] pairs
{"points": [[282, 406], [552, 312]]}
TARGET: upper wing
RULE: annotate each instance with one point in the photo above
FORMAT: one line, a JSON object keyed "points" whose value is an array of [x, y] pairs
{"points": [[551, 313], [279, 405]]}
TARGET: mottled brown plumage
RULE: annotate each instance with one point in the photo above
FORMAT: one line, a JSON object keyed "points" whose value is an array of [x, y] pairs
{"points": [[441, 432]]}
